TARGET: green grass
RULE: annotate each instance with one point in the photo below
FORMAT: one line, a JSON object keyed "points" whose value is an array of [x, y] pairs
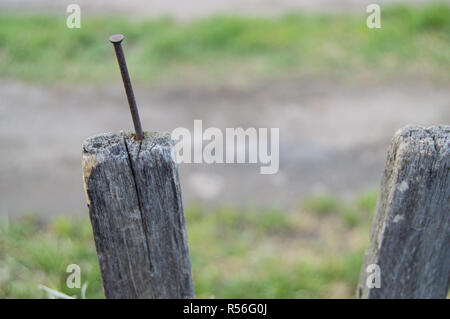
{"points": [[321, 204], [235, 253], [352, 213], [412, 41]]}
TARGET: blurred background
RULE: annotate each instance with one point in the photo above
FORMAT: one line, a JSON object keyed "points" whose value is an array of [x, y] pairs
{"points": [[337, 90]]}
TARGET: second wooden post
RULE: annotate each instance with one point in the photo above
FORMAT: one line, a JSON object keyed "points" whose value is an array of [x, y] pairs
{"points": [[410, 237]]}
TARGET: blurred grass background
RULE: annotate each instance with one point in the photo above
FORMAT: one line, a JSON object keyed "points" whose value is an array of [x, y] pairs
{"points": [[315, 251], [412, 40]]}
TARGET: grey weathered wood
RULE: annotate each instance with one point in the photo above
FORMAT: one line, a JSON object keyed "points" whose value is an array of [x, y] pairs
{"points": [[410, 237], [135, 206]]}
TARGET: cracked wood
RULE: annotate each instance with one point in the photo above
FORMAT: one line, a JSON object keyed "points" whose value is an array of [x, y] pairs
{"points": [[136, 211]]}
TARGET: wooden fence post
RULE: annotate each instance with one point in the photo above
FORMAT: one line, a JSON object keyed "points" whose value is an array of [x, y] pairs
{"points": [[135, 206], [410, 236]]}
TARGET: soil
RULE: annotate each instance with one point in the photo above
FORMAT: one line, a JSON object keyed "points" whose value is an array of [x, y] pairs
{"points": [[333, 136]]}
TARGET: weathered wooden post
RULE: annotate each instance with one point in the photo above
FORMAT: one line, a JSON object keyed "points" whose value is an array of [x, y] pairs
{"points": [[134, 198], [410, 237]]}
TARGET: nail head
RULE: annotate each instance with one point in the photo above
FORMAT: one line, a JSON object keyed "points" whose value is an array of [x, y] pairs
{"points": [[116, 38]]}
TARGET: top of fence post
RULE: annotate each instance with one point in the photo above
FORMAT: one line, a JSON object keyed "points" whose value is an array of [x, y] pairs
{"points": [[410, 237], [134, 198]]}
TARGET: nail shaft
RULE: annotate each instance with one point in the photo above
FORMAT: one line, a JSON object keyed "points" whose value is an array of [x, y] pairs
{"points": [[116, 40]]}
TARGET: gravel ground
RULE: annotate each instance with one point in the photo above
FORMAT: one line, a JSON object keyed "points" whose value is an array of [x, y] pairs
{"points": [[333, 137]]}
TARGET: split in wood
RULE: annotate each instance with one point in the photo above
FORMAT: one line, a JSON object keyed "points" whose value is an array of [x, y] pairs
{"points": [[135, 206]]}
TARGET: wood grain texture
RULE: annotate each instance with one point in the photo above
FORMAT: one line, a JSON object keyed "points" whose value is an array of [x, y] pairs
{"points": [[410, 236], [135, 206]]}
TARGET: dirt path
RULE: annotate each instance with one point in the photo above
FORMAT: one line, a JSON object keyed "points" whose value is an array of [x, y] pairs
{"points": [[333, 137], [186, 10]]}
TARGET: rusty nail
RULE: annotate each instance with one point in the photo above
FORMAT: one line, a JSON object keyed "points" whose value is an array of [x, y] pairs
{"points": [[116, 40]]}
